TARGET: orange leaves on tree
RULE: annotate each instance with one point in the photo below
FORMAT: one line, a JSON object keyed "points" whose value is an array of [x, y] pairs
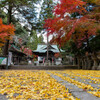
{"points": [[69, 6], [62, 29], [57, 55], [27, 51], [6, 31], [62, 26], [84, 29], [97, 2]]}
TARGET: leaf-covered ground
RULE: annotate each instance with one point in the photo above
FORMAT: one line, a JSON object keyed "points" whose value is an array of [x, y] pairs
{"points": [[49, 85]]}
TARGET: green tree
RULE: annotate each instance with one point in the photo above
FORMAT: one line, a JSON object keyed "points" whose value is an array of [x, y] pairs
{"points": [[46, 11], [12, 6], [34, 40], [30, 14], [3, 16]]}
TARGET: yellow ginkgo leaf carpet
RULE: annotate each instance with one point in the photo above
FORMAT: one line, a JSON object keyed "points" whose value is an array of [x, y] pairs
{"points": [[40, 85]]}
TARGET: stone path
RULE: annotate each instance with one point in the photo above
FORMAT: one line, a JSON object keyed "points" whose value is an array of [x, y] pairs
{"points": [[3, 97], [76, 92], [86, 81]]}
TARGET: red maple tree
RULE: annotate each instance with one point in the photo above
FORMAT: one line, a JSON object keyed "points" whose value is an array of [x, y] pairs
{"points": [[6, 31], [62, 26]]}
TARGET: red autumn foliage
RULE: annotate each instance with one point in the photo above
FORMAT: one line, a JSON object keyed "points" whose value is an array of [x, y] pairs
{"points": [[57, 55], [84, 29], [62, 26], [69, 6], [27, 51], [6, 31], [20, 40]]}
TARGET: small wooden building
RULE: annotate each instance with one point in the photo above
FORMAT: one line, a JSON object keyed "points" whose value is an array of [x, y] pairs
{"points": [[17, 55], [41, 51]]}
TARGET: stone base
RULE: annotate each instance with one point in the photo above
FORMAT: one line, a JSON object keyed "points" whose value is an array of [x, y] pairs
{"points": [[47, 63], [94, 68]]}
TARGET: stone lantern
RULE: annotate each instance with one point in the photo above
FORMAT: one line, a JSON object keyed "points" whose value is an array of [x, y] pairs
{"points": [[95, 61]]}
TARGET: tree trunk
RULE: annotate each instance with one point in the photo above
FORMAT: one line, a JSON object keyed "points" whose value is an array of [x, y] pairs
{"points": [[6, 46]]}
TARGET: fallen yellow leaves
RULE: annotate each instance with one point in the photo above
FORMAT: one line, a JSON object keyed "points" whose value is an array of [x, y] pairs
{"points": [[30, 85], [26, 85], [77, 83], [94, 76], [95, 93]]}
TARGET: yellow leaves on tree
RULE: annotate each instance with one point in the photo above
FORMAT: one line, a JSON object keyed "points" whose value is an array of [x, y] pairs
{"points": [[6, 31]]}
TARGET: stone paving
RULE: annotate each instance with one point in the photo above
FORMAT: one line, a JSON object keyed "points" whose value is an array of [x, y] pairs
{"points": [[3, 97], [86, 81], [77, 92]]}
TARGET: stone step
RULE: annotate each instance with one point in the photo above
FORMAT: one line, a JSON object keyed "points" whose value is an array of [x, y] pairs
{"points": [[44, 67]]}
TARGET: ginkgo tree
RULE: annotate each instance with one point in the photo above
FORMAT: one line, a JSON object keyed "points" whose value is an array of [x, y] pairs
{"points": [[6, 31]]}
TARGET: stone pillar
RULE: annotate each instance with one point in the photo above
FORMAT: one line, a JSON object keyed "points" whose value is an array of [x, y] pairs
{"points": [[95, 63], [89, 62], [49, 63], [78, 62], [83, 63], [74, 63]]}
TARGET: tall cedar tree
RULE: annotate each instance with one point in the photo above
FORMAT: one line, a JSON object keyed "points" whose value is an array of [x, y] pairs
{"points": [[11, 6], [46, 11]]}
